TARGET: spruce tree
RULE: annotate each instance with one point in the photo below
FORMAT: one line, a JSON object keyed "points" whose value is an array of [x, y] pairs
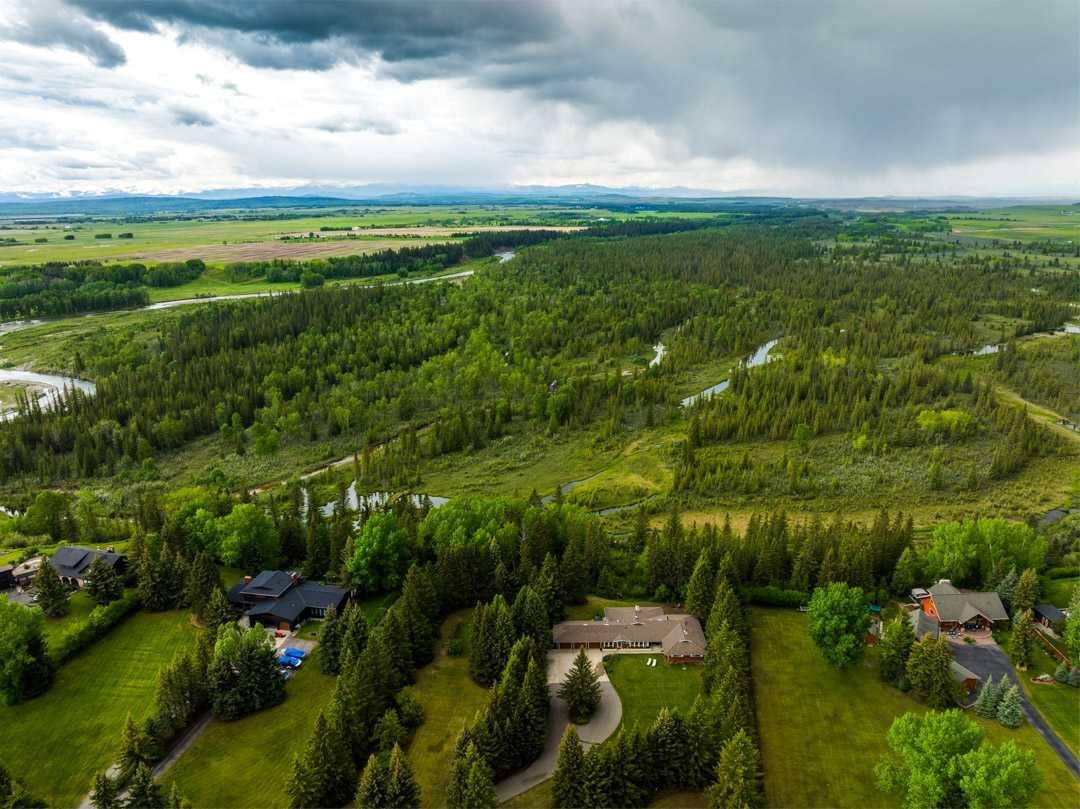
{"points": [[354, 632], [176, 800], [105, 794], [1022, 642], [700, 592], [402, 791], [103, 584], [738, 783], [131, 742], [534, 620], [219, 612], [581, 689], [203, 581], [568, 782], [894, 648], [323, 774], [929, 670], [1008, 712], [330, 642], [51, 593], [479, 784], [143, 792], [1026, 593], [372, 791], [986, 704], [459, 772]]}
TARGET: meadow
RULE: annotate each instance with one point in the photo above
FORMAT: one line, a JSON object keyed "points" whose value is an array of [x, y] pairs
{"points": [[248, 763], [823, 730], [1021, 223], [84, 711]]}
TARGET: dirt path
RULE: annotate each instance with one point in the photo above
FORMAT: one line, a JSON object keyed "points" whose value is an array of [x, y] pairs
{"points": [[1043, 415]]}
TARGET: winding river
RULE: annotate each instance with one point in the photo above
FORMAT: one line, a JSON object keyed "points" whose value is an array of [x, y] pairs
{"points": [[44, 387], [759, 357]]}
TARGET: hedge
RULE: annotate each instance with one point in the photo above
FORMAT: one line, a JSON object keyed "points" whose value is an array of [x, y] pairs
{"points": [[99, 623]]}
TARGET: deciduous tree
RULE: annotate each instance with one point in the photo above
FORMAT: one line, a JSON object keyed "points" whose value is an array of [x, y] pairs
{"points": [[839, 623]]}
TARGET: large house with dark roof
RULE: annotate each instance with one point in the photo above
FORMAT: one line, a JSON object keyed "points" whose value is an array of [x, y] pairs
{"points": [[73, 563], [950, 608], [678, 637], [283, 600]]}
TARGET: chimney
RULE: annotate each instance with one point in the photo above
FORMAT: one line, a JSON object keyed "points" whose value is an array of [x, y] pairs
{"points": [[247, 579], [295, 576]]}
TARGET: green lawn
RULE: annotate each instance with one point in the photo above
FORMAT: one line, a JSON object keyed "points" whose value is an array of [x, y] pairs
{"points": [[248, 763], [1058, 591], [595, 605], [59, 741], [451, 700], [81, 605], [644, 690], [823, 730]]}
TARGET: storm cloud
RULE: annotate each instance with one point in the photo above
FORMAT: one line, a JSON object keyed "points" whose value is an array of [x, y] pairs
{"points": [[742, 88]]}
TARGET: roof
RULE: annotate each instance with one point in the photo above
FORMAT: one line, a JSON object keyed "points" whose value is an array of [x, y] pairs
{"points": [[955, 606], [923, 625], [679, 635], [73, 562], [29, 566], [944, 587], [1050, 613], [960, 673], [290, 603], [685, 640]]}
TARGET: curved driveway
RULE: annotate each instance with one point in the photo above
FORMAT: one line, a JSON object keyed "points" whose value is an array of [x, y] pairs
{"points": [[603, 723]]}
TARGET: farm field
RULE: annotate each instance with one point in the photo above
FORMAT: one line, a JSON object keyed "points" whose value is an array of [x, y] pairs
{"points": [[823, 730], [450, 699], [248, 763], [221, 237], [84, 711], [1022, 223]]}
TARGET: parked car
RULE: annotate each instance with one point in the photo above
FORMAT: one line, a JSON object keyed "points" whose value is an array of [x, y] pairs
{"points": [[292, 651], [289, 662]]}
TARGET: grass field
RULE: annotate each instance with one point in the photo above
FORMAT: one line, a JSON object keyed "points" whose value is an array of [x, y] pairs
{"points": [[1058, 591], [1021, 223], [220, 236], [644, 690], [81, 605], [248, 763], [59, 741], [823, 730], [451, 700]]}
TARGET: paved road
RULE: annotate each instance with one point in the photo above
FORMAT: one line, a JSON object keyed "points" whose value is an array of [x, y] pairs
{"points": [[600, 727], [990, 661]]}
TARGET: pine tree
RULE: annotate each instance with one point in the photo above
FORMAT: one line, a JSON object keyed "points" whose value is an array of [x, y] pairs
{"points": [[894, 648], [1022, 642], [219, 612], [479, 784], [106, 793], [581, 689], [323, 774], [986, 704], [143, 792], [568, 787], [203, 581], [371, 793], [534, 619], [738, 783], [103, 584], [402, 791], [131, 742], [1008, 712], [354, 632], [700, 592], [1026, 592], [330, 642], [51, 593]]}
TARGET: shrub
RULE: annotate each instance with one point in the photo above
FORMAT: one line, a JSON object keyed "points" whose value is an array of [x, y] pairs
{"points": [[98, 624]]}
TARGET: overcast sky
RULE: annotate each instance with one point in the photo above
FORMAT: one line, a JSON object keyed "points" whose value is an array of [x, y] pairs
{"points": [[802, 97]]}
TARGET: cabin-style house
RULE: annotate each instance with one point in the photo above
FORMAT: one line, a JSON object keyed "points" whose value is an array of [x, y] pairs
{"points": [[678, 637]]}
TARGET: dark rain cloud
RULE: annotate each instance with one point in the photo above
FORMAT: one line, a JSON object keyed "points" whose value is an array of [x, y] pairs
{"points": [[186, 116], [46, 24], [834, 85]]}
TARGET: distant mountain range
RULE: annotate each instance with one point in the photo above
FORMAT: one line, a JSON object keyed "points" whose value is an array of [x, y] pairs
{"points": [[392, 194]]}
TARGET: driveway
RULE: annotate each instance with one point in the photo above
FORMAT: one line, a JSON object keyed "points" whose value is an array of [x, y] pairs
{"points": [[990, 661], [603, 723]]}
